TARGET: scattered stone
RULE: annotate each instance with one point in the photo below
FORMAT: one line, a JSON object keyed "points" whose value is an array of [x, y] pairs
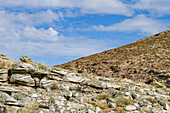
{"points": [[8, 89], [130, 108], [28, 88]]}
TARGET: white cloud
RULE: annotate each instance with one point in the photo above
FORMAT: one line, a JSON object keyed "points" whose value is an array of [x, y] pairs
{"points": [[139, 23], [86, 6], [120, 7], [41, 34], [16, 26], [105, 7], [156, 7], [66, 46], [19, 36], [33, 19]]}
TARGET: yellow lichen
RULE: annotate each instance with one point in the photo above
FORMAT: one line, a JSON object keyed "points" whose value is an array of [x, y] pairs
{"points": [[94, 83]]}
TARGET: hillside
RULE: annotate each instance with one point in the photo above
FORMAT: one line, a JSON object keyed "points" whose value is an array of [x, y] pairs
{"points": [[30, 87], [144, 60]]}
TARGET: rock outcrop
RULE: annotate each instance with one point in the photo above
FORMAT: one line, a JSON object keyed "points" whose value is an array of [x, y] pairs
{"points": [[32, 88]]}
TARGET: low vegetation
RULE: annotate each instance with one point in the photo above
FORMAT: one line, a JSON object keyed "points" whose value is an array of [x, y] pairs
{"points": [[96, 104], [148, 56], [123, 101], [25, 59], [102, 96], [5, 64]]}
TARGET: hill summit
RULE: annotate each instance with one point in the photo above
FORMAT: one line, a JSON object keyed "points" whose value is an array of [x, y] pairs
{"points": [[144, 60]]}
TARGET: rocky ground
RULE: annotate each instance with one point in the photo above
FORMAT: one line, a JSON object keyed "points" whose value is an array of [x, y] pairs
{"points": [[27, 87], [144, 60]]}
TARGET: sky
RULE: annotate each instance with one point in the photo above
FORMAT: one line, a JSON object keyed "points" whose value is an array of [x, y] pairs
{"points": [[58, 31]]}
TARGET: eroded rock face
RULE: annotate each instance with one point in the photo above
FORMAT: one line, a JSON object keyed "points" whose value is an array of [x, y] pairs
{"points": [[29, 88], [3, 75], [8, 89], [22, 68], [72, 77], [23, 79]]}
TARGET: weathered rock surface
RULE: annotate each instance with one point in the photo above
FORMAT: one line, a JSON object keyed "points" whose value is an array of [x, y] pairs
{"points": [[3, 75], [27, 88], [22, 79]]}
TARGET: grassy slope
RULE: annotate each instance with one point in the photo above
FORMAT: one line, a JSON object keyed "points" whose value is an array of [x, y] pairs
{"points": [[137, 61]]}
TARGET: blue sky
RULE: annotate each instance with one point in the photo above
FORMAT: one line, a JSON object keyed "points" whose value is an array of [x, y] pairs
{"points": [[57, 31]]}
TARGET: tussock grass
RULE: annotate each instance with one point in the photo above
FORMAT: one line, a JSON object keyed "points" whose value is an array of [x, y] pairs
{"points": [[97, 104], [55, 86], [25, 59], [29, 108], [151, 100], [122, 101], [102, 96], [5, 64], [40, 65]]}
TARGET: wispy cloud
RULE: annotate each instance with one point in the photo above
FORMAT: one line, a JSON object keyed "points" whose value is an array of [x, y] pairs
{"points": [[85, 6], [67, 46], [155, 7], [34, 19], [140, 23]]}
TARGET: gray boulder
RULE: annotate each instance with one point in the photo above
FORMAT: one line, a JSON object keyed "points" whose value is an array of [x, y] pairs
{"points": [[8, 100], [24, 79], [72, 77], [46, 83]]}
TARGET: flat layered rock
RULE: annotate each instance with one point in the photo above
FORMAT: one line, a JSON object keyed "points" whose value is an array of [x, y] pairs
{"points": [[8, 100], [110, 85], [3, 75], [22, 68], [39, 72], [8, 89], [46, 83], [72, 77], [54, 77], [60, 72], [24, 79]]}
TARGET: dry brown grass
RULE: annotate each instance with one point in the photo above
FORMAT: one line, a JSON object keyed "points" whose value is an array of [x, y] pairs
{"points": [[122, 101], [55, 86], [102, 96], [29, 108], [25, 59], [118, 62], [5, 64], [96, 104]]}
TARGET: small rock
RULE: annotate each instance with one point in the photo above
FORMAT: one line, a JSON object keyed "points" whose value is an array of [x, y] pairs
{"points": [[130, 108], [34, 95], [98, 109], [112, 105], [8, 89], [90, 111]]}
